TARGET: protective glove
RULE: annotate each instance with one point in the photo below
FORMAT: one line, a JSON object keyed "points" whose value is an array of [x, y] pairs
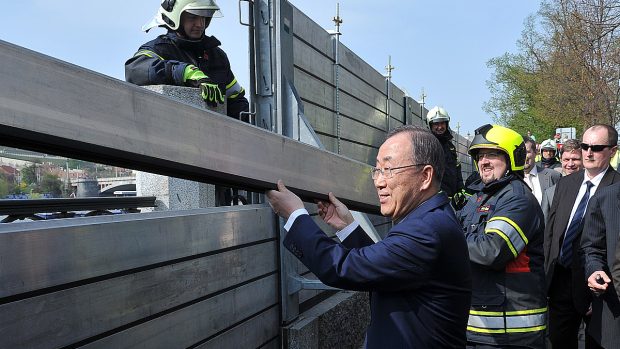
{"points": [[459, 199], [209, 89]]}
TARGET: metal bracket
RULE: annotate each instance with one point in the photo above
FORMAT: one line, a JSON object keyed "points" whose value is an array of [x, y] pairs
{"points": [[297, 283], [249, 24]]}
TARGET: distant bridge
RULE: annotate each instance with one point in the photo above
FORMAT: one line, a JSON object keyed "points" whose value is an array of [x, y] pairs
{"points": [[88, 187]]}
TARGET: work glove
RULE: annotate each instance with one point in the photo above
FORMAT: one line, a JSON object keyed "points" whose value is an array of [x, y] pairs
{"points": [[209, 89], [459, 199]]}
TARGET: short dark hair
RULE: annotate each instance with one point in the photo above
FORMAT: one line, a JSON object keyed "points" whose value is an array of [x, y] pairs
{"points": [[612, 133], [527, 140], [570, 145], [426, 148]]}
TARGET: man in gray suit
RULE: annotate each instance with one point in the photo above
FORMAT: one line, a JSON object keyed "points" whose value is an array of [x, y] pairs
{"points": [[600, 234], [569, 297], [537, 177], [571, 163]]}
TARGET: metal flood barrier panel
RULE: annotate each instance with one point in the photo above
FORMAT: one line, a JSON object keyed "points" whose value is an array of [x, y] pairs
{"points": [[198, 278], [346, 100]]}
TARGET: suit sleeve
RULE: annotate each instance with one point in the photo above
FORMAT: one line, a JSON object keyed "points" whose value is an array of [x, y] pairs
{"points": [[593, 238], [357, 239], [545, 205], [505, 234], [403, 260]]}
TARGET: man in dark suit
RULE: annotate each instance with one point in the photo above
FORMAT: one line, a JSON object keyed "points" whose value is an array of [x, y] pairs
{"points": [[569, 297], [537, 177], [599, 243], [419, 274], [571, 163]]}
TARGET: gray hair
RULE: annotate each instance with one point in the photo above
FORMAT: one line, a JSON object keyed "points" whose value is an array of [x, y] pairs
{"points": [[426, 148]]}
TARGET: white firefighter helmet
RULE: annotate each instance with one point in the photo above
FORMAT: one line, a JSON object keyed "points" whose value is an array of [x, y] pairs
{"points": [[169, 12], [549, 144], [437, 114]]}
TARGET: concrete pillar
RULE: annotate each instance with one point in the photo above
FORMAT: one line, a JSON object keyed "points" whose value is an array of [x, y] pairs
{"points": [[174, 193], [340, 321], [87, 188]]}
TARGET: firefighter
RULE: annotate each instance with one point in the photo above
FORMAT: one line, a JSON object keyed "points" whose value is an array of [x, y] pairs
{"points": [[548, 154], [503, 226], [452, 180], [185, 56]]}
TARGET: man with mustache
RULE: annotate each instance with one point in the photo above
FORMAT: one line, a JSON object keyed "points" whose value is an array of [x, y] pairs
{"points": [[503, 226]]}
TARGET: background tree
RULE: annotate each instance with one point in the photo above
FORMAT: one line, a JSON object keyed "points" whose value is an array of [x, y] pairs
{"points": [[50, 184], [566, 73], [29, 174], [5, 186]]}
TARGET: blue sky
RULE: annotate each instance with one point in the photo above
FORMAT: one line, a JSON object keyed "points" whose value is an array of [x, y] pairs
{"points": [[441, 46]]}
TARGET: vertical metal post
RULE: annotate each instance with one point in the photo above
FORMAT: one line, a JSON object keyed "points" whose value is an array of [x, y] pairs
{"points": [[263, 95], [282, 48], [423, 97], [388, 82], [336, 41]]}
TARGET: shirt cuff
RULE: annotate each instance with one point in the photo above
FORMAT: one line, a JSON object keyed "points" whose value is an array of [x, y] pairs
{"points": [[346, 231], [291, 219]]}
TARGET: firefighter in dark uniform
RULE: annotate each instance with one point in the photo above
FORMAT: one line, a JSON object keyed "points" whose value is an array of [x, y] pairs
{"points": [[185, 56], [503, 226], [452, 180]]}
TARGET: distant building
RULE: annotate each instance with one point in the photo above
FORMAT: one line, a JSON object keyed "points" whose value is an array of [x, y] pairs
{"points": [[11, 173]]}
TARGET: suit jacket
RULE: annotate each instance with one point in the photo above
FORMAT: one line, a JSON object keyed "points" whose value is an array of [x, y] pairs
{"points": [[419, 275], [599, 244], [547, 199], [615, 271], [547, 178], [564, 198]]}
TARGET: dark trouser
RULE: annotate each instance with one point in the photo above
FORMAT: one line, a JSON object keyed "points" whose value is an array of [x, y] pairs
{"points": [[564, 319]]}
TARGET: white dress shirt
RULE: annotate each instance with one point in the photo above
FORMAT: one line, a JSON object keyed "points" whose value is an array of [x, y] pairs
{"points": [[582, 191], [532, 181], [341, 234]]}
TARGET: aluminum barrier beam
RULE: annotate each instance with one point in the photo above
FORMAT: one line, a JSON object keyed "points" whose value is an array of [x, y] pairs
{"points": [[51, 106]]}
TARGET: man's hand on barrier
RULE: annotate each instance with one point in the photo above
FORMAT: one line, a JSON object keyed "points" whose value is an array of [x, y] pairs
{"points": [[283, 201], [209, 89], [334, 213]]}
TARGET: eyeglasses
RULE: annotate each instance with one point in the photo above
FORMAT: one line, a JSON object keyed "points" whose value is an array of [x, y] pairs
{"points": [[595, 147], [489, 156], [388, 172]]}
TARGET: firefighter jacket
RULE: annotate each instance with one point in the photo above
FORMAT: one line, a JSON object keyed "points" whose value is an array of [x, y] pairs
{"points": [[452, 180], [503, 226], [163, 61]]}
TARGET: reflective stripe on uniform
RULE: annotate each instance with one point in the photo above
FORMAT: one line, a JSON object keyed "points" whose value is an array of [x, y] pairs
{"points": [[509, 231], [233, 89], [148, 54], [532, 320]]}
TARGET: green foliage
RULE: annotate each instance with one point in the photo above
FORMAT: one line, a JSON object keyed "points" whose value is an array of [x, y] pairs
{"points": [[566, 73], [50, 184], [29, 174], [4, 186]]}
